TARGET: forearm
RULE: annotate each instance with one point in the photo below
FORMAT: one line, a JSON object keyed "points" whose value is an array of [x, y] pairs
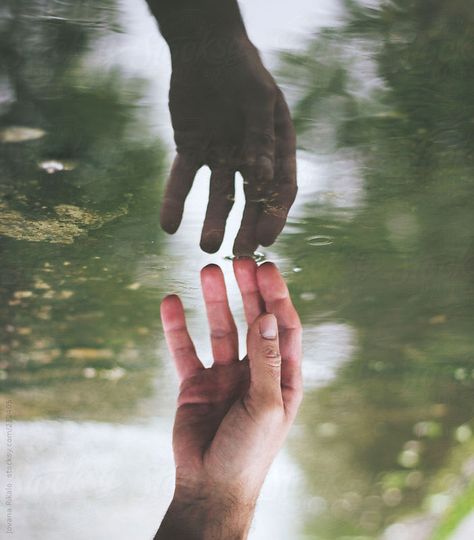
{"points": [[198, 519], [194, 20]]}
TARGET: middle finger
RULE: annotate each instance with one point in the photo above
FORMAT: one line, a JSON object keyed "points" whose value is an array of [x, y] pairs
{"points": [[245, 270], [224, 338]]}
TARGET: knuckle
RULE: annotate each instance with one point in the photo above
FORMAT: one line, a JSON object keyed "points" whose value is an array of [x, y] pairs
{"points": [[296, 393], [275, 210], [261, 404], [267, 89], [189, 143], [222, 190], [294, 403], [249, 160], [265, 167], [260, 89], [273, 368], [292, 190], [221, 334], [294, 193], [271, 412], [183, 352], [271, 352], [263, 139]]}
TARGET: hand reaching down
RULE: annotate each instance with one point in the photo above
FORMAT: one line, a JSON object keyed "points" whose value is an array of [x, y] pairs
{"points": [[227, 113], [233, 120]]}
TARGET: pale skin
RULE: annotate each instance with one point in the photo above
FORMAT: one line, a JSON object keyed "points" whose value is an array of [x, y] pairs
{"points": [[233, 417]]}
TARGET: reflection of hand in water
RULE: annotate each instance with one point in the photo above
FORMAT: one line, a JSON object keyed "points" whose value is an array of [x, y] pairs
{"points": [[232, 418], [227, 113]]}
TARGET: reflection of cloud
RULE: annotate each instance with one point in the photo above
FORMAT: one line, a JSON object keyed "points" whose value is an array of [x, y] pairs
{"points": [[116, 480], [414, 529], [332, 181], [90, 480], [7, 94], [141, 52], [290, 22], [327, 347], [279, 505], [149, 271], [465, 530]]}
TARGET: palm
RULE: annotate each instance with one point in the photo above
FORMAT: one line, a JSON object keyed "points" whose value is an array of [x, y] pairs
{"points": [[208, 124], [222, 421], [205, 400]]}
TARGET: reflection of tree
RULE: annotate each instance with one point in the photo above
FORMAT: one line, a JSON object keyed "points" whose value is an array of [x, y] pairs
{"points": [[79, 210], [401, 270]]}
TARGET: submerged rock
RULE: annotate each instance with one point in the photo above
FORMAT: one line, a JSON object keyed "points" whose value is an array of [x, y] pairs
{"points": [[72, 222]]}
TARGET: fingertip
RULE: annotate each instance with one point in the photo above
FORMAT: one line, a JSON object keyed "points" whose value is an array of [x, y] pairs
{"points": [[271, 222], [245, 270], [170, 219], [244, 265], [210, 270], [211, 241], [265, 238], [177, 189], [169, 228], [210, 249], [270, 225], [212, 282], [169, 300], [266, 267], [265, 169], [244, 261], [171, 310], [244, 247], [270, 281]]}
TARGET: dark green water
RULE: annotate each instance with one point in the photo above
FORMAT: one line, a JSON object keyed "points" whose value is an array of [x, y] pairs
{"points": [[379, 256]]}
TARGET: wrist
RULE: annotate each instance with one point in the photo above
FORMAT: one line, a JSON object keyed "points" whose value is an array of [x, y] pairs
{"points": [[197, 21], [198, 515], [211, 51]]}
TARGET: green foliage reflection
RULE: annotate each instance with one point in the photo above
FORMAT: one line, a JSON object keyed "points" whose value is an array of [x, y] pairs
{"points": [[393, 85]]}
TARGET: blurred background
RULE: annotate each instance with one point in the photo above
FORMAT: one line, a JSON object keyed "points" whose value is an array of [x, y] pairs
{"points": [[378, 254]]}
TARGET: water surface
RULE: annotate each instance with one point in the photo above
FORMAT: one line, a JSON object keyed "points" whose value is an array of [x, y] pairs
{"points": [[378, 254]]}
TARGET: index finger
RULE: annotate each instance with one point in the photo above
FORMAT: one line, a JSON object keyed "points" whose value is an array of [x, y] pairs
{"points": [[245, 270], [179, 342], [224, 338]]}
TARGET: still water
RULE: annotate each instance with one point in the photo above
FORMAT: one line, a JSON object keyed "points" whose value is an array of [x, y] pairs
{"points": [[378, 254]]}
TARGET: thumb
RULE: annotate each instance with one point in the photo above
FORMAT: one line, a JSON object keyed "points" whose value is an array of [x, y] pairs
{"points": [[264, 360]]}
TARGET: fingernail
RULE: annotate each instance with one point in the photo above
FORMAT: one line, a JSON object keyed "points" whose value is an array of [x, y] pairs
{"points": [[269, 327]]}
